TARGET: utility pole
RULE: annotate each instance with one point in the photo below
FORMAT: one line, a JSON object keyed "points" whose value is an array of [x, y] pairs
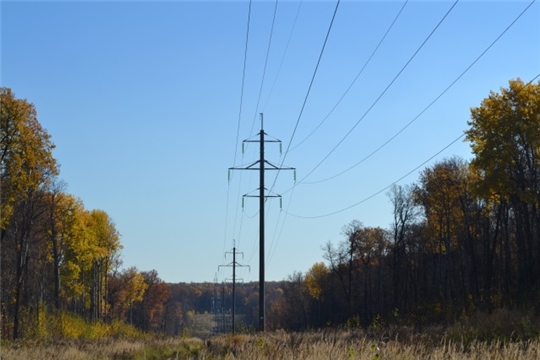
{"points": [[263, 165], [234, 264]]}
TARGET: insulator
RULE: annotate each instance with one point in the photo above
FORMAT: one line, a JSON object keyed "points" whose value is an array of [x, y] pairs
{"points": [[229, 175], [280, 203], [242, 203], [294, 175]]}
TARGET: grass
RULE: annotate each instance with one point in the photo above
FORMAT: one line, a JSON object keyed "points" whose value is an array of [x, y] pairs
{"points": [[201, 325], [117, 349], [355, 345], [503, 335], [328, 344]]}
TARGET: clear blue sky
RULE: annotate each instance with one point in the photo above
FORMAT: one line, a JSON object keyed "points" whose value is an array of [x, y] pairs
{"points": [[142, 100]]}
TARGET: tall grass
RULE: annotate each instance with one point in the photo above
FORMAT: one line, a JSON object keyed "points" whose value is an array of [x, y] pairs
{"points": [[353, 345], [349, 345], [502, 335]]}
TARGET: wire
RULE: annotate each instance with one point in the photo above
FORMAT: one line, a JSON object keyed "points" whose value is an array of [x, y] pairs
{"points": [[427, 107], [307, 93], [355, 79], [306, 97], [265, 65], [273, 247], [310, 85], [243, 84], [401, 178], [380, 191], [283, 56], [240, 117], [381, 95]]}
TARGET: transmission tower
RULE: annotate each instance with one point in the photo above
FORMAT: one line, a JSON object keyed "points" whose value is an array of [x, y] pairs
{"points": [[261, 165], [234, 265]]}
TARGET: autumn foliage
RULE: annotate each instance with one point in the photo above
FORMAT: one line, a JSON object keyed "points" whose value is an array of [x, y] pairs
{"points": [[59, 261], [465, 236]]}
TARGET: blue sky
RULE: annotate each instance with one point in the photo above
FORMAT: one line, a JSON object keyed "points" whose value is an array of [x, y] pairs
{"points": [[142, 100]]}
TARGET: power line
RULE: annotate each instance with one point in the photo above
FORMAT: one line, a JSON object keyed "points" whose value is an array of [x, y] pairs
{"points": [[277, 237], [307, 93], [369, 109], [381, 95], [238, 125], [380, 191], [355, 79], [283, 56], [428, 106], [243, 83], [265, 65], [308, 90], [310, 84], [401, 178]]}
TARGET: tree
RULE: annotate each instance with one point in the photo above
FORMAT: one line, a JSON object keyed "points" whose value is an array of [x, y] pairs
{"points": [[442, 193], [150, 309], [103, 239], [505, 138], [406, 213], [26, 166], [317, 279], [352, 231], [296, 303]]}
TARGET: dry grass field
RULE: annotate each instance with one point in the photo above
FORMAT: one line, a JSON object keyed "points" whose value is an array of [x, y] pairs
{"points": [[278, 345], [503, 335]]}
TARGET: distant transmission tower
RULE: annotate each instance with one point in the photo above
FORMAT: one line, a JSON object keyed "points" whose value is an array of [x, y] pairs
{"points": [[234, 265], [263, 165]]}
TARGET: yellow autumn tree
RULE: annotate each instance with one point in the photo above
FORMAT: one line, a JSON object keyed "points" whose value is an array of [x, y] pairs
{"points": [[26, 166], [316, 279]]}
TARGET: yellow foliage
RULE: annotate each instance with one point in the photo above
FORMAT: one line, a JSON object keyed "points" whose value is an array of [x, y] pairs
{"points": [[315, 279]]}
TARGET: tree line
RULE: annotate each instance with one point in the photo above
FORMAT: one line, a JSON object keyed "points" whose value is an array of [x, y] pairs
{"points": [[464, 237], [55, 254]]}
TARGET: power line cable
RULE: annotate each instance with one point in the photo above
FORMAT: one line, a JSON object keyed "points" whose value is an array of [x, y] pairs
{"points": [[381, 95], [283, 56], [380, 191], [308, 90], [240, 114], [265, 66], [290, 200], [355, 79], [401, 178], [273, 249], [427, 107], [328, 115], [243, 84], [310, 85]]}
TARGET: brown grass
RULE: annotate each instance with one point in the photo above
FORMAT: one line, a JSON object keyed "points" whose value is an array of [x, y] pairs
{"points": [[120, 349], [503, 335], [356, 345], [328, 344]]}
